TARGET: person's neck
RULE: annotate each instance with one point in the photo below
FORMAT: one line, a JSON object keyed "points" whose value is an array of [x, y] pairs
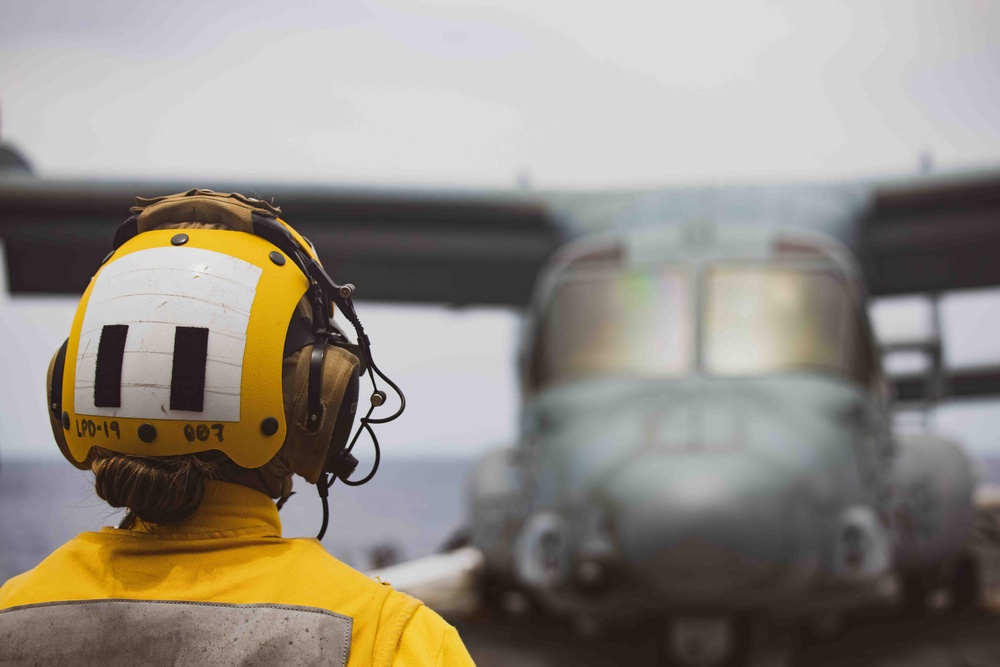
{"points": [[248, 478]]}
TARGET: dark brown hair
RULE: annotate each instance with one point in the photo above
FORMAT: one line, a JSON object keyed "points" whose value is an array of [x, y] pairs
{"points": [[158, 490]]}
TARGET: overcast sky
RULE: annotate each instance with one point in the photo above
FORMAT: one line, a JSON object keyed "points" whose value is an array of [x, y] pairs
{"points": [[453, 92], [473, 94]]}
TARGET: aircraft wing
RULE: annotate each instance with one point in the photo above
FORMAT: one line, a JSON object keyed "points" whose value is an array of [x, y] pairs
{"points": [[930, 237], [404, 246]]}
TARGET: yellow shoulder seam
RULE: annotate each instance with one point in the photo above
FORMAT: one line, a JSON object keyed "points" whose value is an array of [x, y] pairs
{"points": [[388, 637]]}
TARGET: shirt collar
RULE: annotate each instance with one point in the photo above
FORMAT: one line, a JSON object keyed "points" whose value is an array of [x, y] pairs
{"points": [[227, 510]]}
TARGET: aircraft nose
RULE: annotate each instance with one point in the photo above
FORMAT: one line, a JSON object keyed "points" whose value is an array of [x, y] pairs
{"points": [[700, 527]]}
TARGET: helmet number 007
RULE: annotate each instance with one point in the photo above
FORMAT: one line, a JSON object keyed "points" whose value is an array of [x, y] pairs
{"points": [[201, 432]]}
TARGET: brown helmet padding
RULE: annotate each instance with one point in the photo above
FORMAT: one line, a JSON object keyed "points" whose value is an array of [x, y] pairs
{"points": [[230, 210]]}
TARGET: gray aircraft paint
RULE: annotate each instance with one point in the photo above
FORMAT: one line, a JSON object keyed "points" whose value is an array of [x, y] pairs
{"points": [[701, 493]]}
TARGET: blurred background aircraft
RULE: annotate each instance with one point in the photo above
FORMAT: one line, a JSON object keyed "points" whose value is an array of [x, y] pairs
{"points": [[521, 126]]}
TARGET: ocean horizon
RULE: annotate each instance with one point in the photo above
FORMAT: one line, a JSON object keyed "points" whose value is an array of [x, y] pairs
{"points": [[411, 507]]}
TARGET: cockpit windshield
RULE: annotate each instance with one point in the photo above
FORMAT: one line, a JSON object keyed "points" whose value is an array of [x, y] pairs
{"points": [[755, 320], [762, 320], [635, 324]]}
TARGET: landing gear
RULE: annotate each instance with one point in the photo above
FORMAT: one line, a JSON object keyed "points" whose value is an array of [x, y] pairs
{"points": [[769, 644], [722, 641], [914, 592], [965, 583], [502, 600], [826, 627], [958, 582], [698, 641]]}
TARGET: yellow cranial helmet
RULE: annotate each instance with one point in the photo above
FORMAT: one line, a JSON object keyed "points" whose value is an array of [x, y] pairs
{"points": [[176, 348], [197, 339]]}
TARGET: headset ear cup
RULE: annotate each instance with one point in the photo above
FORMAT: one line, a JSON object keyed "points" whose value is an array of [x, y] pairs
{"points": [[345, 423], [305, 451], [55, 419]]}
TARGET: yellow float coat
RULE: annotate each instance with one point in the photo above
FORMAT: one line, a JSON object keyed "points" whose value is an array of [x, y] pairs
{"points": [[231, 551]]}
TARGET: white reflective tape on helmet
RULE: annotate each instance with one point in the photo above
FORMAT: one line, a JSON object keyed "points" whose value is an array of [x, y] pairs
{"points": [[208, 290]]}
